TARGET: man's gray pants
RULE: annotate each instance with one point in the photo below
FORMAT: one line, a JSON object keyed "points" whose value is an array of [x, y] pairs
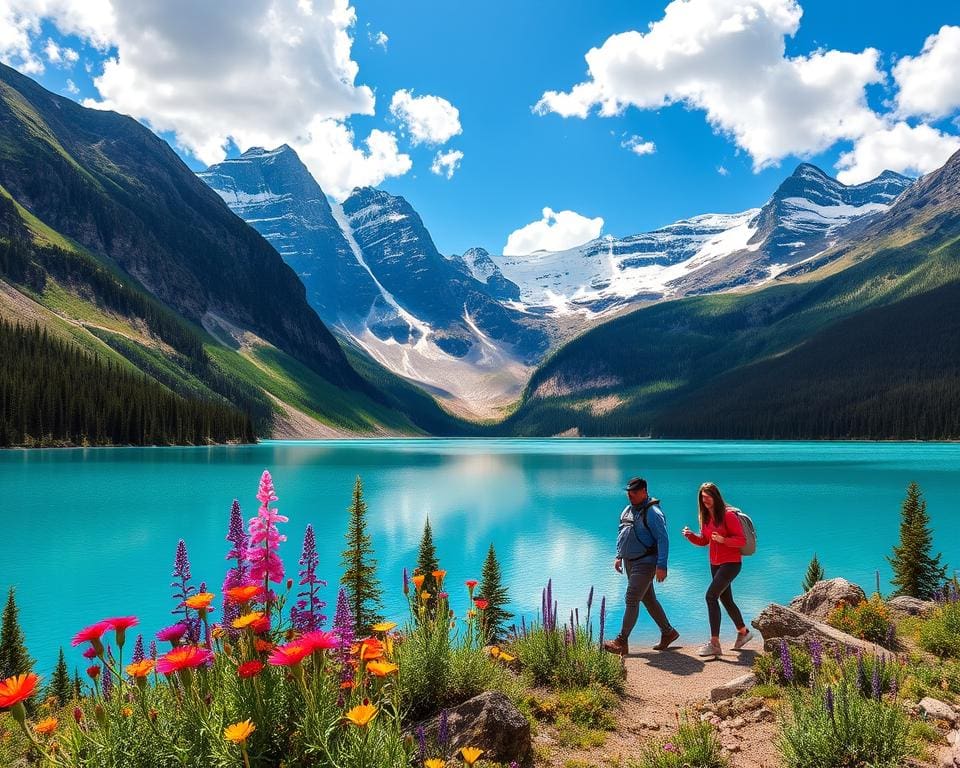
{"points": [[640, 590]]}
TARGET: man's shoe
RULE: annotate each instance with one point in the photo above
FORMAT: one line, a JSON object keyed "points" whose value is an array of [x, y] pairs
{"points": [[666, 640], [709, 650], [742, 640], [616, 646]]}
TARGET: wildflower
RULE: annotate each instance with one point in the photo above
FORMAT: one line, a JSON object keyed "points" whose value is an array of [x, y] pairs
{"points": [[507, 657], [421, 743], [244, 594], [406, 581], [384, 626], [670, 747], [16, 689], [237, 575], [319, 640], [248, 619], [46, 726], [481, 603], [471, 585], [425, 596], [828, 701], [265, 539], [138, 654], [362, 714], [181, 584], [438, 575], [443, 595], [443, 729], [126, 711], [200, 601], [875, 687], [89, 652], [250, 669], [433, 762], [261, 625], [93, 671], [785, 661], [120, 625], [370, 648], [262, 646], [603, 617], [184, 657], [172, 634], [92, 634], [141, 668], [418, 581], [816, 653], [307, 614], [238, 733], [379, 668], [217, 632], [77, 715], [289, 655], [107, 681], [470, 755]]}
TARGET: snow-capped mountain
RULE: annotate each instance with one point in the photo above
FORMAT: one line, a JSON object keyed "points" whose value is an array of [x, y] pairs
{"points": [[373, 274], [707, 253]]}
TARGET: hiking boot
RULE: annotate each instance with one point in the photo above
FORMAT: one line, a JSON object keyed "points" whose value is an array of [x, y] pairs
{"points": [[709, 649], [666, 640], [617, 646], [742, 640]]}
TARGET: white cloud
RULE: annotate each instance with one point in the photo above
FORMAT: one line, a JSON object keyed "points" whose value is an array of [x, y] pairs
{"points": [[429, 119], [638, 146], [727, 58], [556, 231], [55, 54], [722, 170], [446, 163], [380, 38], [928, 83], [72, 88], [898, 147]]}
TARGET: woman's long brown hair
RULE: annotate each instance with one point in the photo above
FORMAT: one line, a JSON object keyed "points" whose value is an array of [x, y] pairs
{"points": [[719, 505]]}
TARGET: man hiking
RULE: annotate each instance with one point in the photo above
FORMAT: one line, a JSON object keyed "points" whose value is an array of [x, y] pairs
{"points": [[642, 549]]}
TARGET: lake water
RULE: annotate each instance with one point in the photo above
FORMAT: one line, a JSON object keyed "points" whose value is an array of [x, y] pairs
{"points": [[92, 533]]}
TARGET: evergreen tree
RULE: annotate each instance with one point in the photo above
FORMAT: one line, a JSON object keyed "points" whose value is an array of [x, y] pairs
{"points": [[814, 574], [61, 687], [14, 659], [359, 567], [915, 572], [495, 615], [427, 563], [77, 684]]}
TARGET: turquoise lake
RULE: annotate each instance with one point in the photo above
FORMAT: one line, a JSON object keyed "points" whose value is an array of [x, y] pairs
{"points": [[91, 533]]}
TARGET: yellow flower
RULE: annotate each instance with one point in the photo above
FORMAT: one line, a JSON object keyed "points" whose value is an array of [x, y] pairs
{"points": [[49, 725], [493, 651], [126, 711], [425, 595], [199, 601], [247, 619], [384, 626], [238, 733], [362, 714], [504, 656], [381, 668], [470, 755], [434, 762]]}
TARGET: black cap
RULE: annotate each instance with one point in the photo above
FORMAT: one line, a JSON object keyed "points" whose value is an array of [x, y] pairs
{"points": [[636, 484]]}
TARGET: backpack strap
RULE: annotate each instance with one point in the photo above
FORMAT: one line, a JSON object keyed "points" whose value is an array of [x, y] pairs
{"points": [[652, 549]]}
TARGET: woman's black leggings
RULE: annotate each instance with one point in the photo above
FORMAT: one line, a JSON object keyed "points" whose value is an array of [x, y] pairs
{"points": [[720, 591]]}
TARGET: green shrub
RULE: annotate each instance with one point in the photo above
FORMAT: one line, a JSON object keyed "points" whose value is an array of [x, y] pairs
{"points": [[941, 680], [768, 667], [549, 658], [870, 620], [940, 634], [694, 745]]}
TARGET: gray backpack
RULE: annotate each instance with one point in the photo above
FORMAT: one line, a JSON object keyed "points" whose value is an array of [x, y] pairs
{"points": [[749, 532]]}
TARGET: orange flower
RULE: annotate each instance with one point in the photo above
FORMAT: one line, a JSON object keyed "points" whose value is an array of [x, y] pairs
{"points": [[262, 646], [347, 684], [140, 668], [243, 594], [362, 714], [199, 601], [507, 657], [433, 762], [183, 657], [384, 626], [438, 575], [126, 711], [247, 619], [289, 655], [425, 596], [15, 689], [418, 581], [238, 733], [370, 648], [470, 755], [381, 668], [47, 726]]}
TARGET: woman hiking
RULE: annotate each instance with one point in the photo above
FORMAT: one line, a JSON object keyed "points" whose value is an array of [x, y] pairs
{"points": [[720, 528]]}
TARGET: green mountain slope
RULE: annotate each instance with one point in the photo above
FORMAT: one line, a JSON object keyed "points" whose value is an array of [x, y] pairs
{"points": [[802, 359], [107, 238]]}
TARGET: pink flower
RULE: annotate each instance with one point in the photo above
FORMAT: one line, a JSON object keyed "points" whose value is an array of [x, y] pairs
{"points": [[122, 622], [172, 634], [289, 655], [92, 634], [318, 641], [90, 653], [265, 539]]}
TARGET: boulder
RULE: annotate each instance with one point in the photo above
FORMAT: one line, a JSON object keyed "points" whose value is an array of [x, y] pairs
{"points": [[489, 722], [734, 687], [778, 621], [910, 606], [950, 755], [938, 710], [825, 596]]}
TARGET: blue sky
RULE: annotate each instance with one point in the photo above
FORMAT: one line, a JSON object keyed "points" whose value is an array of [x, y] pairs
{"points": [[493, 62]]}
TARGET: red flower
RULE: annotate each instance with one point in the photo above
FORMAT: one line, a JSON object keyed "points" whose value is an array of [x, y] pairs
{"points": [[91, 634], [261, 625], [481, 603], [289, 655], [183, 657], [250, 668], [15, 689], [94, 671]]}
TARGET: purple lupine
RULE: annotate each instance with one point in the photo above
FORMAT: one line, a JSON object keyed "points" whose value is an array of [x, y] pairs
{"points": [[891, 636], [603, 616], [894, 684], [107, 676], [785, 661], [523, 627], [153, 650], [306, 614], [343, 629], [421, 743], [443, 731], [182, 589], [828, 701], [237, 574], [861, 674], [816, 653], [138, 649], [406, 581], [875, 681]]}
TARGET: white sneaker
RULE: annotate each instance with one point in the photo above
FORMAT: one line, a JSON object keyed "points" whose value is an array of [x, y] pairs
{"points": [[742, 640], [709, 650]]}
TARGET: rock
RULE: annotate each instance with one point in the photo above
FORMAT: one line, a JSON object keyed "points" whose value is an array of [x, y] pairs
{"points": [[749, 704], [938, 710], [778, 621], [910, 606], [489, 722], [825, 596], [737, 723], [949, 756], [734, 688]]}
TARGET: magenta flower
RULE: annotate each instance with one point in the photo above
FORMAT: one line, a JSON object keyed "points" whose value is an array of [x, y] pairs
{"points": [[172, 634], [265, 539]]}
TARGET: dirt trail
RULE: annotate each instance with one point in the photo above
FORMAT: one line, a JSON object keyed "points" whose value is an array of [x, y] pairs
{"points": [[662, 685]]}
